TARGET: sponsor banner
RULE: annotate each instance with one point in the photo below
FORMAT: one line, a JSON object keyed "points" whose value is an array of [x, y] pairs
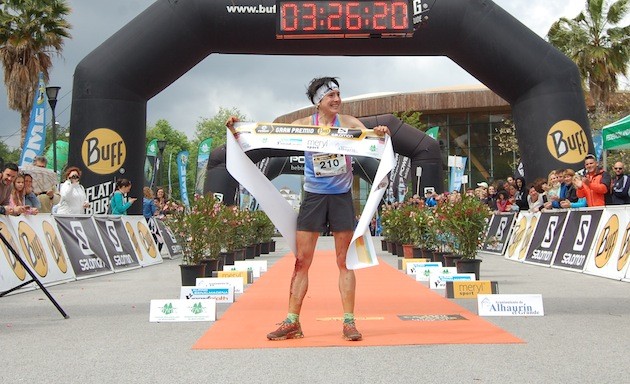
{"points": [[609, 256], [182, 166], [470, 289], [402, 263], [170, 248], [235, 282], [499, 232], [222, 294], [99, 196], [337, 140], [424, 273], [510, 305], [182, 310], [150, 165], [457, 164], [35, 138], [438, 280], [203, 155], [87, 254], [243, 275], [413, 268], [12, 273], [260, 264], [546, 238], [521, 235], [255, 269], [115, 239], [39, 243], [577, 239], [139, 232]]}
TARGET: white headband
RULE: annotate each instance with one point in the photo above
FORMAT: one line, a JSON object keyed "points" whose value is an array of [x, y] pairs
{"points": [[323, 91]]}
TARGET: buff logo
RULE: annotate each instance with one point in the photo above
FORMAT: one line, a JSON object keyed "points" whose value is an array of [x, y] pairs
{"points": [[17, 268], [528, 237], [567, 142], [103, 151], [606, 242], [624, 255], [33, 249], [517, 238], [147, 239], [54, 245]]}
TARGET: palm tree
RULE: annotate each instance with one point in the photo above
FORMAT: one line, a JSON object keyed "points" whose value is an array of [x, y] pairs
{"points": [[599, 48], [31, 31]]}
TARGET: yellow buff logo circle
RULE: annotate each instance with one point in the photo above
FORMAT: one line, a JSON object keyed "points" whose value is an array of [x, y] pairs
{"points": [[606, 242], [103, 151], [624, 255], [567, 142], [18, 269], [54, 245], [519, 232], [32, 248], [147, 239], [134, 240], [528, 237]]}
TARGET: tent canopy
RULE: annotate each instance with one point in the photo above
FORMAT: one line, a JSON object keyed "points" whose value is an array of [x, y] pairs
{"points": [[617, 135]]}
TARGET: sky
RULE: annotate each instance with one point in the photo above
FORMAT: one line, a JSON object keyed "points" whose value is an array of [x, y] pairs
{"points": [[201, 92]]}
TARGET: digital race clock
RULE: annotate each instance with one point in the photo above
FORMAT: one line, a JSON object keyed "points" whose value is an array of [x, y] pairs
{"points": [[330, 19]]}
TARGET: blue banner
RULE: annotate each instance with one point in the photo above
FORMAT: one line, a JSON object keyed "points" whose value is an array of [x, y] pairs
{"points": [[457, 171], [202, 161], [182, 164], [35, 138]]}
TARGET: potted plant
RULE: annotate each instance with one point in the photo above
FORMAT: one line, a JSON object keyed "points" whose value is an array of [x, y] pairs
{"points": [[200, 232], [466, 221]]}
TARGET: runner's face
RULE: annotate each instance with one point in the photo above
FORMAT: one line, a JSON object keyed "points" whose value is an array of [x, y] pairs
{"points": [[330, 103]]}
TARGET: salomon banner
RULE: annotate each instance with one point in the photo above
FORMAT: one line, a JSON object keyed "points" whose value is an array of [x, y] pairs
{"points": [[577, 239], [609, 257], [40, 245], [140, 234], [85, 250], [170, 248], [546, 238], [498, 232], [521, 235], [116, 241]]}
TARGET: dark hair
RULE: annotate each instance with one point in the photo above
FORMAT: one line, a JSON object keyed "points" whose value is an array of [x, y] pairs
{"points": [[122, 183], [11, 166], [69, 170], [316, 83]]}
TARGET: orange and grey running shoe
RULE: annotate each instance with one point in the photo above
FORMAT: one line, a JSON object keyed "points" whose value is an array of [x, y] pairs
{"points": [[287, 331], [350, 332]]}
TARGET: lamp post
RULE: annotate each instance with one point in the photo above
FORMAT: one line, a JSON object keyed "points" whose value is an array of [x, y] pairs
{"points": [[51, 93], [161, 145]]}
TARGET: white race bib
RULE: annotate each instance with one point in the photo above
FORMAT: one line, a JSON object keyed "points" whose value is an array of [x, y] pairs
{"points": [[329, 164]]}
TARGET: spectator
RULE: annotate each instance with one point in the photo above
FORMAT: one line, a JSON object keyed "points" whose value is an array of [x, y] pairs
{"points": [[503, 202], [119, 202], [30, 199], [567, 198], [49, 197], [595, 184], [620, 185], [520, 196], [73, 197], [18, 194], [535, 199], [9, 173], [491, 199]]}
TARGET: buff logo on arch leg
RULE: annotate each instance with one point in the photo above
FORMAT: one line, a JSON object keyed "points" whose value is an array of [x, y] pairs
{"points": [[112, 84]]}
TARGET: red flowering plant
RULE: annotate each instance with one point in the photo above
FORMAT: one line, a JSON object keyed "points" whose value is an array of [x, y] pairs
{"points": [[465, 222], [200, 229]]}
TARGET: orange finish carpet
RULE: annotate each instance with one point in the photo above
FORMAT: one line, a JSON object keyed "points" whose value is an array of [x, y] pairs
{"points": [[383, 293]]}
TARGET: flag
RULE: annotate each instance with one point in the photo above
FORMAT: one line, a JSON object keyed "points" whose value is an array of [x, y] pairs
{"points": [[202, 161], [35, 138], [182, 164], [150, 163], [433, 132], [457, 165]]}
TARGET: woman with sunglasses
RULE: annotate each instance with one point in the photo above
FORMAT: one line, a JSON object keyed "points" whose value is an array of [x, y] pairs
{"points": [[73, 198]]}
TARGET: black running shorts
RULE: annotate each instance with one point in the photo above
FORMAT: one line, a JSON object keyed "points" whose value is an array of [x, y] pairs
{"points": [[318, 210]]}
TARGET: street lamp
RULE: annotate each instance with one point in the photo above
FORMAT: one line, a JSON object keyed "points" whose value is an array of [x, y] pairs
{"points": [[51, 93], [161, 145]]}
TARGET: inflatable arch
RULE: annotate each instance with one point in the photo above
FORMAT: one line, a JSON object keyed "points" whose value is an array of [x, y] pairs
{"points": [[114, 82]]}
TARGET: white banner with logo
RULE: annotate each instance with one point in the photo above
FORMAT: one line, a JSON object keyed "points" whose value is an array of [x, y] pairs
{"points": [[140, 234], [521, 236], [609, 255], [38, 242], [337, 140]]}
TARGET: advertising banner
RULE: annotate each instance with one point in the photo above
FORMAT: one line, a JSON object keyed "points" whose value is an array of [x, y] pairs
{"points": [[577, 239], [546, 238], [35, 138], [203, 154], [83, 244], [499, 232], [609, 257], [521, 235], [170, 248], [39, 242], [140, 234], [116, 241], [12, 273]]}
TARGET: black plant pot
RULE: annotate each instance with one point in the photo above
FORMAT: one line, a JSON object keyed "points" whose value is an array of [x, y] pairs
{"points": [[264, 248], [250, 251], [469, 266], [450, 259], [211, 266], [228, 257], [272, 246], [383, 245], [239, 254], [190, 273]]}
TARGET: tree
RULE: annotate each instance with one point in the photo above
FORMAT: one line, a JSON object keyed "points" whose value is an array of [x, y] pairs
{"points": [[176, 141], [215, 127], [599, 48], [31, 31]]}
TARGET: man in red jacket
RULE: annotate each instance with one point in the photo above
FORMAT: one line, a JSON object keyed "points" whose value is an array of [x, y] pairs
{"points": [[595, 183]]}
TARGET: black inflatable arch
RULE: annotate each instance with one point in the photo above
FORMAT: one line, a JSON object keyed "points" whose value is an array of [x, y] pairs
{"points": [[114, 82], [406, 140]]}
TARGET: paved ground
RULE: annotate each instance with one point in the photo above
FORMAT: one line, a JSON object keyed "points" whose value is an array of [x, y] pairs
{"points": [[583, 337]]}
